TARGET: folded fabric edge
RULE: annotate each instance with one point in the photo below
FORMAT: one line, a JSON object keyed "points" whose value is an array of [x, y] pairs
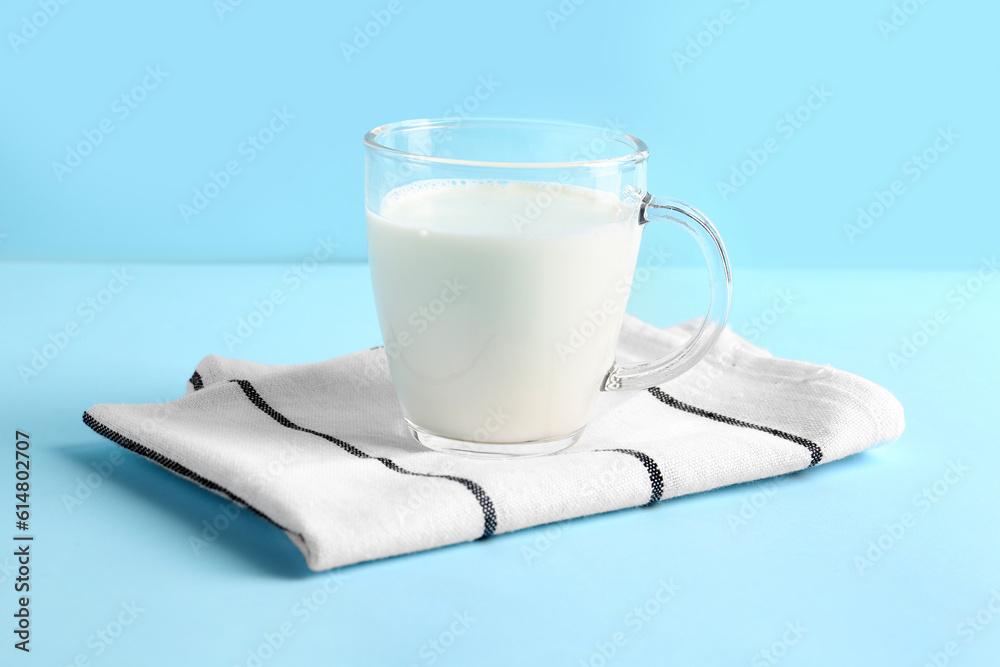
{"points": [[187, 474], [888, 416], [208, 371]]}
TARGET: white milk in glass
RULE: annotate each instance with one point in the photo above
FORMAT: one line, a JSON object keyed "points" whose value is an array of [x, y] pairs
{"points": [[500, 303]]}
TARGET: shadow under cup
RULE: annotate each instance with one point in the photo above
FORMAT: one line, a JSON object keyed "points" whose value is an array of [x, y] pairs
{"points": [[501, 257]]}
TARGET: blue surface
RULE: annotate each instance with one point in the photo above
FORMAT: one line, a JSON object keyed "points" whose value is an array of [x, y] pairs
{"points": [[550, 595], [224, 73]]}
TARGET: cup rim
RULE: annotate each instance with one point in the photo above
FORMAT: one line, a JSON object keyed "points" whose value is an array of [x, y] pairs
{"points": [[637, 149]]}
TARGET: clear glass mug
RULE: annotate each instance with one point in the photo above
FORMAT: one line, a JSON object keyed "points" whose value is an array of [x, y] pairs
{"points": [[501, 255]]}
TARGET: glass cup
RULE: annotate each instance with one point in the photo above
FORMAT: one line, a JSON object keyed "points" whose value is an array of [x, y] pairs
{"points": [[501, 255]]}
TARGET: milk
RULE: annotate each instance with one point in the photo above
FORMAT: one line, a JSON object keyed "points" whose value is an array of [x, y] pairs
{"points": [[500, 303]]}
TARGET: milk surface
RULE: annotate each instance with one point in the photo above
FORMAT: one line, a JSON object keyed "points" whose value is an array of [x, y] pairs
{"points": [[500, 303]]}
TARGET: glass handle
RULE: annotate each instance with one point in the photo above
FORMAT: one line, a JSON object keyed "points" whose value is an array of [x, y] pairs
{"points": [[664, 369]]}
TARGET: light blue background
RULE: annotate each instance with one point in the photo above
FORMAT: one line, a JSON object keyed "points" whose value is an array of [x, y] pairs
{"points": [[794, 560], [606, 60]]}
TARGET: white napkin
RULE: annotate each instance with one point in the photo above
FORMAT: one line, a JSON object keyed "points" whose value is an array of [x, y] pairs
{"points": [[321, 449]]}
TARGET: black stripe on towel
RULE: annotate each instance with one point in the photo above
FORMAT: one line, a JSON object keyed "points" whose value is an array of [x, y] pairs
{"points": [[171, 465], [814, 449], [196, 381], [489, 515], [655, 477]]}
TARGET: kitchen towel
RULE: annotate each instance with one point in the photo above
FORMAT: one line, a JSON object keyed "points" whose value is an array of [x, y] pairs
{"points": [[321, 449]]}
